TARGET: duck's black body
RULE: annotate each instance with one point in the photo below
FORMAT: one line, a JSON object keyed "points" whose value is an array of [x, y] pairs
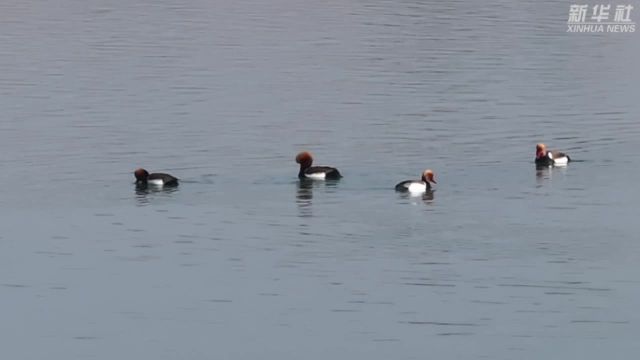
{"points": [[319, 172], [552, 158], [405, 185], [143, 178], [315, 172], [417, 186]]}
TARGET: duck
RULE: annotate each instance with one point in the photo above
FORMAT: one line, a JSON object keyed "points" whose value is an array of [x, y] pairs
{"points": [[546, 157], [315, 172], [143, 178], [418, 186]]}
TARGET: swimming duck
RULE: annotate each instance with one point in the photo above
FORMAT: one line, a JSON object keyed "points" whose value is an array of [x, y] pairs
{"points": [[417, 186], [545, 157], [315, 172], [143, 178]]}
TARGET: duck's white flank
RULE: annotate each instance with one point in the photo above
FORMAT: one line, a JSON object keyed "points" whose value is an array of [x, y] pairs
{"points": [[563, 161], [316, 176], [417, 187]]}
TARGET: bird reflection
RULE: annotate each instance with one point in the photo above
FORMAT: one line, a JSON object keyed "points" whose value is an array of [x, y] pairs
{"points": [[545, 173], [542, 173], [304, 194], [144, 192], [426, 197]]}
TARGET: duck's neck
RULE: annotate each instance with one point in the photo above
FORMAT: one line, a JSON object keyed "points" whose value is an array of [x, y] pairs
{"points": [[301, 172], [303, 166], [424, 180], [542, 154]]}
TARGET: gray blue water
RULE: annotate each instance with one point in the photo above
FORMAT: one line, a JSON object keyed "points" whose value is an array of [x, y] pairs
{"points": [[243, 262]]}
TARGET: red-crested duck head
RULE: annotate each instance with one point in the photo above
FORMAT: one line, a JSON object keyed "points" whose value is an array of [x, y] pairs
{"points": [[304, 159], [141, 174], [541, 151], [427, 176]]}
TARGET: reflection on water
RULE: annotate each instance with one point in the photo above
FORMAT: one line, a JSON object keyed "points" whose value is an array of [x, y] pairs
{"points": [[543, 172], [546, 172], [144, 193], [427, 197], [226, 91], [304, 193]]}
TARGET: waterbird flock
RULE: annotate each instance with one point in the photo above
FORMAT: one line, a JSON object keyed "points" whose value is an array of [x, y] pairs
{"points": [[544, 158]]}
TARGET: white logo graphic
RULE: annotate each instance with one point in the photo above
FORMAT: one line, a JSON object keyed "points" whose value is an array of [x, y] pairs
{"points": [[600, 20]]}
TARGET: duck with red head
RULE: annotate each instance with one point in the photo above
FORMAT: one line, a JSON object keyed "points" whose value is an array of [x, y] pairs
{"points": [[418, 186], [315, 172], [159, 179], [545, 157]]}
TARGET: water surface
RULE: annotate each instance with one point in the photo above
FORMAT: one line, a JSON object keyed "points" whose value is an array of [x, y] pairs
{"points": [[242, 261]]}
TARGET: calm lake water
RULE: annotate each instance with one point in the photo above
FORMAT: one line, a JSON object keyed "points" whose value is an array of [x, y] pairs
{"points": [[242, 261]]}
